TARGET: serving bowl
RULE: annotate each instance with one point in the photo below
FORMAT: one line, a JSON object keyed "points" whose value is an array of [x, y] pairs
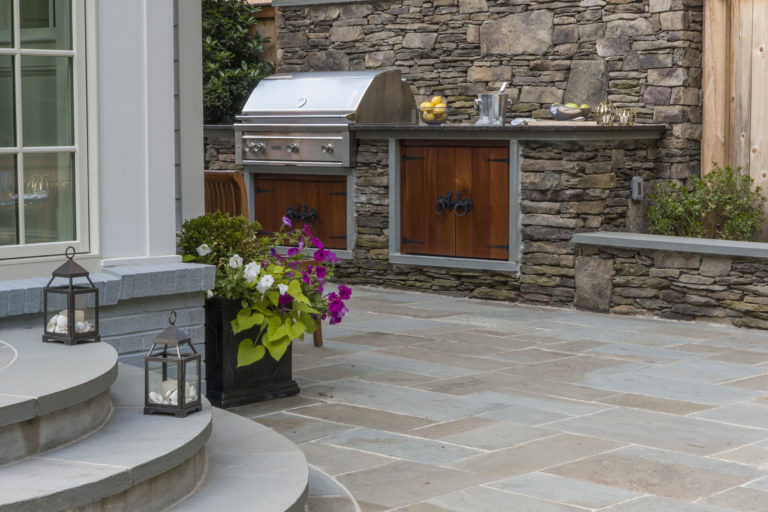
{"points": [[564, 113]]}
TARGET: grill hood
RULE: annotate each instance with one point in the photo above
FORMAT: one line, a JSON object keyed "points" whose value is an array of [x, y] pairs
{"points": [[344, 96]]}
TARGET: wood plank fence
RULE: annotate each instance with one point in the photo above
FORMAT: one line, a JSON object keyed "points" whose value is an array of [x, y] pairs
{"points": [[735, 87]]}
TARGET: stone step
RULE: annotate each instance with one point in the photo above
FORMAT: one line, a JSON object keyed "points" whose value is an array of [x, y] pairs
{"points": [[250, 468], [50, 393], [133, 462]]}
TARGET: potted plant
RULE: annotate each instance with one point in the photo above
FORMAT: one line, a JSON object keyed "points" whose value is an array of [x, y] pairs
{"points": [[262, 301]]}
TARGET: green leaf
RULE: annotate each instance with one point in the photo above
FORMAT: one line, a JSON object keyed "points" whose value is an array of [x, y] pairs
{"points": [[294, 288], [298, 329], [248, 353], [188, 257], [310, 324], [277, 347], [246, 319]]}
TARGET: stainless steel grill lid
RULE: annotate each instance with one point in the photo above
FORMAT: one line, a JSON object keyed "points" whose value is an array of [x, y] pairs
{"points": [[302, 119], [365, 96]]}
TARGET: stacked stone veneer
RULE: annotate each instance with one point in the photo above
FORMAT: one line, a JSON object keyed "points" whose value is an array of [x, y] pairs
{"points": [[566, 188], [687, 286], [644, 54]]}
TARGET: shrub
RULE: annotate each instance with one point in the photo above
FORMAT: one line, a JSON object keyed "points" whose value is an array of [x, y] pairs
{"points": [[231, 68], [721, 205], [220, 236]]}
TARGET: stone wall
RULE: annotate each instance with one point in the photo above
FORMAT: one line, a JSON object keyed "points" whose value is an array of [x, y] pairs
{"points": [[566, 188], [644, 54], [687, 286]]}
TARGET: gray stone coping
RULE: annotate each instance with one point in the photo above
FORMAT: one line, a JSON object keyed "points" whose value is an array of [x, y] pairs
{"points": [[129, 449], [250, 467], [122, 282], [673, 243], [49, 377], [548, 131]]}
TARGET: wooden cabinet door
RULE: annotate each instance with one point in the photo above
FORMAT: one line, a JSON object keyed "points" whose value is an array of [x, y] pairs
{"points": [[482, 174], [472, 171], [274, 194], [426, 174]]}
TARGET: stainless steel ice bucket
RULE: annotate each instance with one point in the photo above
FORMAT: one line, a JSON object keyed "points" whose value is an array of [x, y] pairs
{"points": [[492, 109]]}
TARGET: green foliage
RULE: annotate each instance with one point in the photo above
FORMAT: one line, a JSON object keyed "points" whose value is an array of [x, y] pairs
{"points": [[281, 295], [231, 67], [721, 205], [220, 234]]}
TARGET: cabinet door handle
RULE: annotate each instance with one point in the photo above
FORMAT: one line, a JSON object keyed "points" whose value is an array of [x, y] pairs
{"points": [[306, 215], [460, 206]]}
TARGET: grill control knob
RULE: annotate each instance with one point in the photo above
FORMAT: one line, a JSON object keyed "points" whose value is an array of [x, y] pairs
{"points": [[327, 148], [254, 147], [292, 148]]}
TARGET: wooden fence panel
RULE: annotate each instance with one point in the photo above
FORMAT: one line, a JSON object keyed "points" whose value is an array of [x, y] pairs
{"points": [[715, 84], [758, 140]]}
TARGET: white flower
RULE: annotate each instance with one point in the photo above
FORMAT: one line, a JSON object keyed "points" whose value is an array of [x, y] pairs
{"points": [[252, 271], [209, 294], [236, 261], [203, 250], [283, 288], [265, 283]]}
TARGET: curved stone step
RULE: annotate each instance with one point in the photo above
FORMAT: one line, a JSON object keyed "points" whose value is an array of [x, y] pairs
{"points": [[50, 393], [134, 462], [250, 468], [327, 493]]}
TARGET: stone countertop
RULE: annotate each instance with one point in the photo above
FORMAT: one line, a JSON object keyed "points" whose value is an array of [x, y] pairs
{"points": [[536, 130]]}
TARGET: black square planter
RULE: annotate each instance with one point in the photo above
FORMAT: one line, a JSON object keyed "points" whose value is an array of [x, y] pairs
{"points": [[226, 384]]}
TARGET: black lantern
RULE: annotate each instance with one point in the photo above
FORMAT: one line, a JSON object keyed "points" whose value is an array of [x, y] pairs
{"points": [[172, 377], [71, 308]]}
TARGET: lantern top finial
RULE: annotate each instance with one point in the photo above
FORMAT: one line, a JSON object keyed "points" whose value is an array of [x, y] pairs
{"points": [[173, 335], [70, 269]]}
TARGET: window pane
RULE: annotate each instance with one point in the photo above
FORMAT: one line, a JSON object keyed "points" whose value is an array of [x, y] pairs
{"points": [[6, 23], [7, 120], [46, 24], [9, 225], [49, 197], [46, 101]]}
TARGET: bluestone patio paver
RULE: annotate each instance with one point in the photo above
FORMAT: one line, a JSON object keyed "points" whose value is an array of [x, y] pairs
{"points": [[429, 403]]}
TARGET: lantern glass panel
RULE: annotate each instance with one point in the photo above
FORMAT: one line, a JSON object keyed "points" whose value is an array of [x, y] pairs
{"points": [[85, 312], [56, 303], [162, 382], [192, 375]]}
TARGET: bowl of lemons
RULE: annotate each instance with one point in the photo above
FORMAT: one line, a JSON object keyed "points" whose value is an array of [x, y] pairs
{"points": [[569, 111], [435, 111]]}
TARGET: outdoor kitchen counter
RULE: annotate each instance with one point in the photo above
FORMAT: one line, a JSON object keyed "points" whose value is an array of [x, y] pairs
{"points": [[535, 130]]}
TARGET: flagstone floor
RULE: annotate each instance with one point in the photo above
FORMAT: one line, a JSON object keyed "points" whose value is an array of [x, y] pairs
{"points": [[427, 403]]}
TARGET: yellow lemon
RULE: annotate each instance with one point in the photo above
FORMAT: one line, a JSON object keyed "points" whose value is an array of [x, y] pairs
{"points": [[439, 117], [437, 100], [426, 105], [427, 116], [440, 108]]}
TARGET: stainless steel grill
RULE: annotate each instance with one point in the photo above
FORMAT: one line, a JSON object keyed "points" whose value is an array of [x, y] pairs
{"points": [[302, 119]]}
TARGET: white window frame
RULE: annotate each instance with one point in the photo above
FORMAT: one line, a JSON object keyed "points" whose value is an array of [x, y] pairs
{"points": [[85, 113]]}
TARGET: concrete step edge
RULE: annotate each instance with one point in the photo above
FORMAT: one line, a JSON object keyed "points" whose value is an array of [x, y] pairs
{"points": [[250, 468], [131, 448], [47, 385]]}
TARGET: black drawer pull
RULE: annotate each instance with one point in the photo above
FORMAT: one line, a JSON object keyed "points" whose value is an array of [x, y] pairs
{"points": [[410, 241]]}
